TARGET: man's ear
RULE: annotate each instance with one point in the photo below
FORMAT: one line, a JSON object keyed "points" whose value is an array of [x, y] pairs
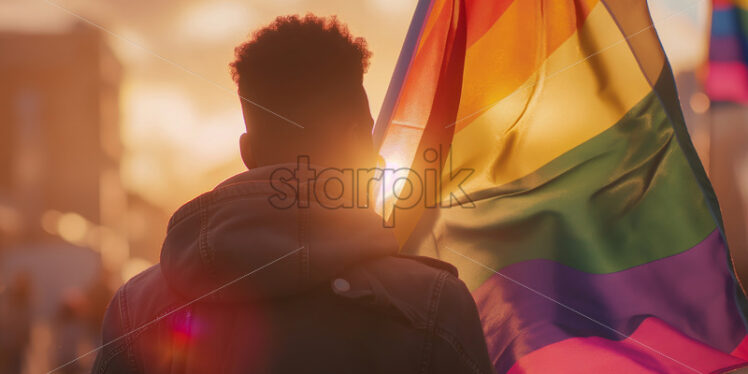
{"points": [[246, 152]]}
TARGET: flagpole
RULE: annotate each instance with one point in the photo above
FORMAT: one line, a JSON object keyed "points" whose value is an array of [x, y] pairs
{"points": [[401, 69]]}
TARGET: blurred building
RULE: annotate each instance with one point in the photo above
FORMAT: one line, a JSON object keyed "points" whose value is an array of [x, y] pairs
{"points": [[66, 220], [59, 134]]}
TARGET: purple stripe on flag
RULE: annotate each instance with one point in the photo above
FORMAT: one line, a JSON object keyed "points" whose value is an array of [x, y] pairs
{"points": [[691, 291]]}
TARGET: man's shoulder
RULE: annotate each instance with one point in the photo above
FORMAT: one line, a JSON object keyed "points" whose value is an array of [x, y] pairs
{"points": [[429, 293], [415, 287]]}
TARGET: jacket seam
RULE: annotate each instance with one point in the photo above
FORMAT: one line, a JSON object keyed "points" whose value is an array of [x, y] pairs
{"points": [[431, 320], [132, 336], [206, 254], [125, 317], [118, 348]]}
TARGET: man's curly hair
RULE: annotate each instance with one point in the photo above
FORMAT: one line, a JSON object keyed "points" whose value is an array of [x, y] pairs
{"points": [[298, 64]]}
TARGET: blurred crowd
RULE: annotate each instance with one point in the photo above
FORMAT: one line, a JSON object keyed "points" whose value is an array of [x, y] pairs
{"points": [[73, 329]]}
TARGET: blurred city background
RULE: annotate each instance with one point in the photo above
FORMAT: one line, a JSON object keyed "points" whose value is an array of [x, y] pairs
{"points": [[113, 113]]}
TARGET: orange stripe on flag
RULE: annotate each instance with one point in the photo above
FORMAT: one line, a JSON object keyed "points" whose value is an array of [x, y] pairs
{"points": [[515, 47]]}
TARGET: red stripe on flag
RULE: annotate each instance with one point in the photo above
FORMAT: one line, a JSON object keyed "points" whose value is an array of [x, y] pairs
{"points": [[654, 347]]}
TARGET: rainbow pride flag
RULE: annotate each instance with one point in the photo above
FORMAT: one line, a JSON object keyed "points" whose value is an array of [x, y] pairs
{"points": [[727, 78], [587, 229]]}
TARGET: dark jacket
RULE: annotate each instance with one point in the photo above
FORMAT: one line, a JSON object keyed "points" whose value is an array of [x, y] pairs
{"points": [[244, 287]]}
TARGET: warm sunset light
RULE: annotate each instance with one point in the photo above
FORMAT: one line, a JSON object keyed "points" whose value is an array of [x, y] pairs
{"points": [[563, 187]]}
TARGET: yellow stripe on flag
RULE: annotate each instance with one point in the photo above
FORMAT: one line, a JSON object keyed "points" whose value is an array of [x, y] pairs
{"points": [[514, 48], [583, 88]]}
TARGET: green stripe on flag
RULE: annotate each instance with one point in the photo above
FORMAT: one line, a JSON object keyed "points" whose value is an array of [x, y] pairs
{"points": [[624, 198]]}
